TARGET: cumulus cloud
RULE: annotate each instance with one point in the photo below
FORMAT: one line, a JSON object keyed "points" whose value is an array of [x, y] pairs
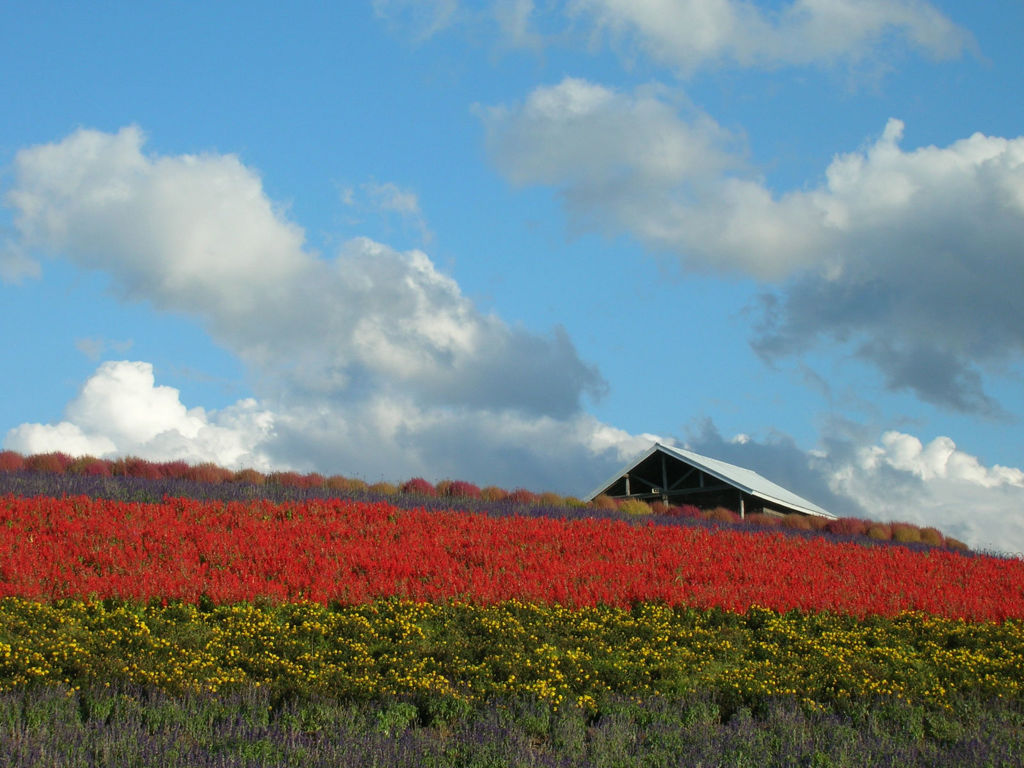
{"points": [[633, 162], [667, 173], [688, 34], [122, 411], [912, 257], [920, 268], [896, 477], [196, 234], [901, 478], [369, 361]]}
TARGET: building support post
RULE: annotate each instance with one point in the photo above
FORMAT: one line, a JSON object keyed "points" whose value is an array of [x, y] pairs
{"points": [[742, 514]]}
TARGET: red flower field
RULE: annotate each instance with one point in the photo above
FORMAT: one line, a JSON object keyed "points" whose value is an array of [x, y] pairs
{"points": [[351, 552]]}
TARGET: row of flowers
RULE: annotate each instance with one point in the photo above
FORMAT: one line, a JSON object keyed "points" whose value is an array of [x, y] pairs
{"points": [[59, 465], [354, 552], [466, 653]]}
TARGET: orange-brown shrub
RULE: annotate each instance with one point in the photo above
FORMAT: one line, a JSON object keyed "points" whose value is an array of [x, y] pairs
{"points": [[551, 499], [209, 472], [55, 463], [287, 479], [848, 526], [173, 469], [10, 461], [136, 467], [383, 488], [494, 493], [90, 467], [523, 496], [760, 518], [956, 544], [797, 522], [722, 515], [658, 507], [605, 502], [313, 480], [341, 483], [250, 476], [818, 523]]}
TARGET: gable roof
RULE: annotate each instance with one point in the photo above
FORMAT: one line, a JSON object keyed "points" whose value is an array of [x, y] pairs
{"points": [[745, 480]]}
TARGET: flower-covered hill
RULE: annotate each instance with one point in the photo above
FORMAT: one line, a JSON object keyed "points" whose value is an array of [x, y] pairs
{"points": [[354, 551], [443, 624]]}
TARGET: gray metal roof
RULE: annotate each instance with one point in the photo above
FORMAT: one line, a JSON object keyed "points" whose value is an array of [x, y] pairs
{"points": [[746, 480]]}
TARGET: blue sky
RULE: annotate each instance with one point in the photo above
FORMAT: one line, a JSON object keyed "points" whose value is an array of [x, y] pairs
{"points": [[513, 242]]}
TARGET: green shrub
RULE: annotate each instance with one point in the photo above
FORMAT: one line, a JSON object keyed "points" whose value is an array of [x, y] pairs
{"points": [[880, 531], [932, 537], [635, 507], [906, 533]]}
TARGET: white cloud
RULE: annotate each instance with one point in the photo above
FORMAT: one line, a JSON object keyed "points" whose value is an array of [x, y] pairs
{"points": [[64, 437], [385, 198], [95, 347], [514, 24], [893, 478], [632, 162], [369, 362], [15, 265], [197, 234], [940, 459], [121, 411], [422, 19], [920, 267], [912, 257], [689, 34], [900, 478]]}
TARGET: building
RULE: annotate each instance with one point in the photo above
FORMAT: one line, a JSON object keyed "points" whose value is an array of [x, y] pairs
{"points": [[676, 476]]}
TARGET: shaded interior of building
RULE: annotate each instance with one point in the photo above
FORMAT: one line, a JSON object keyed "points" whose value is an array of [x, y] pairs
{"points": [[674, 482]]}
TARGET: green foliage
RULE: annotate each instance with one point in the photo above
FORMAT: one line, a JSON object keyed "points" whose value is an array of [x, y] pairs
{"points": [[447, 658], [252, 727], [635, 507]]}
